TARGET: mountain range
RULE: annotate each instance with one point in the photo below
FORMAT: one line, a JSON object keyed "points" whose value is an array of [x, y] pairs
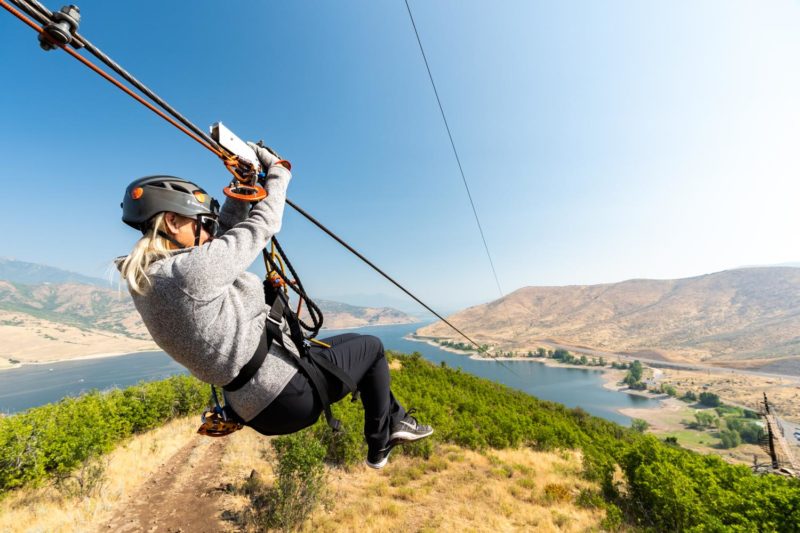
{"points": [[47, 313], [729, 316]]}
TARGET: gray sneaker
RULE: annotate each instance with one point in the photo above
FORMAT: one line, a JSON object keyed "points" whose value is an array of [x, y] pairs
{"points": [[409, 430], [379, 459]]}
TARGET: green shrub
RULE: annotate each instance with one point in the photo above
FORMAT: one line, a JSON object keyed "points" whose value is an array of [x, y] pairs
{"points": [[675, 490], [590, 499], [689, 396], [729, 439], [669, 390], [55, 439], [709, 399], [299, 485]]}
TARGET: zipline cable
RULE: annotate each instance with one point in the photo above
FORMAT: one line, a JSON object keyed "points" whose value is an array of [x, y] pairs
{"points": [[378, 270], [455, 152], [116, 83], [192, 131], [44, 16]]}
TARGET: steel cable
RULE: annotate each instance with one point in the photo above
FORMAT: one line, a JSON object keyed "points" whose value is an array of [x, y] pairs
{"points": [[113, 65], [42, 14], [455, 152]]}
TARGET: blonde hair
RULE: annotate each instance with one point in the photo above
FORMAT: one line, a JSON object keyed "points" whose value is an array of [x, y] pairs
{"points": [[150, 248]]}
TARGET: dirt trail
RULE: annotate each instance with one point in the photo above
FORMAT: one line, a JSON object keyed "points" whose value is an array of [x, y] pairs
{"points": [[182, 496]]}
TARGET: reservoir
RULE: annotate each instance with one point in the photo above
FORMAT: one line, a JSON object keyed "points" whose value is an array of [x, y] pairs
{"points": [[32, 385]]}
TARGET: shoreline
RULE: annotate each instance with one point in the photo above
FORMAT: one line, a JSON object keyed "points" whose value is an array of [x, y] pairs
{"points": [[476, 357], [612, 376], [4, 365], [104, 355]]}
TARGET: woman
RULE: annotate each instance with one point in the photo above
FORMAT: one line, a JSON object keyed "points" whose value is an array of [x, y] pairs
{"points": [[189, 281]]}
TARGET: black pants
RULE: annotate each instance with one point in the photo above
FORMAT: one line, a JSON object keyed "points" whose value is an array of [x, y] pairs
{"points": [[362, 358]]}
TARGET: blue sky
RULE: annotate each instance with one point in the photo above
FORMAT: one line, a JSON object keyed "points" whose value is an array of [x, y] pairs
{"points": [[602, 140]]}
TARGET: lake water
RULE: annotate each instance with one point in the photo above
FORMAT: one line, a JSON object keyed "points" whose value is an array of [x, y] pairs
{"points": [[29, 386]]}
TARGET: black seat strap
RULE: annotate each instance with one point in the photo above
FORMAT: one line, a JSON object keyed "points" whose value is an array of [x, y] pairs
{"points": [[320, 386], [249, 370], [309, 362], [306, 362], [272, 331], [332, 369]]}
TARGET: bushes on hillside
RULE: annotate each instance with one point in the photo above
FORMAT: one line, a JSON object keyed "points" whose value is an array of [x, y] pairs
{"points": [[54, 439], [676, 490], [664, 487], [300, 482], [709, 399]]}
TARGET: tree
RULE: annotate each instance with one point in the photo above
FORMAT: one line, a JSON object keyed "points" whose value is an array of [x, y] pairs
{"points": [[669, 390], [751, 432], [639, 425], [704, 419], [709, 399], [602, 361], [583, 360], [636, 370], [689, 396], [730, 439], [541, 352], [634, 375], [560, 354]]}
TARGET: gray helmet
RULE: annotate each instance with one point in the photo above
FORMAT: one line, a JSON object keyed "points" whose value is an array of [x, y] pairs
{"points": [[151, 195]]}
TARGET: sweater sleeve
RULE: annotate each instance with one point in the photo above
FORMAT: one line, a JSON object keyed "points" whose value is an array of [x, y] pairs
{"points": [[206, 271], [231, 213]]}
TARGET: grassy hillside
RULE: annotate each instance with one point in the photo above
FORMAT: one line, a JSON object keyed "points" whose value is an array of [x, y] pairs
{"points": [[154, 481], [731, 315], [607, 471]]}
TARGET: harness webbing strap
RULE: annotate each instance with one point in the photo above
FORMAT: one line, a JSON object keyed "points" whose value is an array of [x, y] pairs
{"points": [[319, 385], [307, 362], [334, 370], [310, 363], [249, 370]]}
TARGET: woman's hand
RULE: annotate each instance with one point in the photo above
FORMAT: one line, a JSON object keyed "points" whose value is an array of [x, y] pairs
{"points": [[265, 154]]}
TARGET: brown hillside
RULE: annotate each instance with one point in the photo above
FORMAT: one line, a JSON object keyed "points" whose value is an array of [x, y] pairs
{"points": [[731, 315], [58, 321], [172, 479]]}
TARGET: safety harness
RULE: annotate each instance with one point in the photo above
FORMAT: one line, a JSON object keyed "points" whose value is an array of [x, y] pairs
{"points": [[221, 420]]}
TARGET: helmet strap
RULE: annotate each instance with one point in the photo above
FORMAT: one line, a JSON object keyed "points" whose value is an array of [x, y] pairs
{"points": [[170, 238], [197, 229]]}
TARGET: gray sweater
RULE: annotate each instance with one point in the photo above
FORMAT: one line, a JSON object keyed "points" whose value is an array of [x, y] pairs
{"points": [[207, 312]]}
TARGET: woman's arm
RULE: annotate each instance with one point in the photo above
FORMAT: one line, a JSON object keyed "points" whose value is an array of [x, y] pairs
{"points": [[231, 213], [206, 271]]}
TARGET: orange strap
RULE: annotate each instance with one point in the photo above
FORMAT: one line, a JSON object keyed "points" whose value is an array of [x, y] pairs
{"points": [[284, 163]]}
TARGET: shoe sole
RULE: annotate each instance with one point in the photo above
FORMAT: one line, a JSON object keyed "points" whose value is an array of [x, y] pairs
{"points": [[377, 466], [380, 464], [407, 436]]}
